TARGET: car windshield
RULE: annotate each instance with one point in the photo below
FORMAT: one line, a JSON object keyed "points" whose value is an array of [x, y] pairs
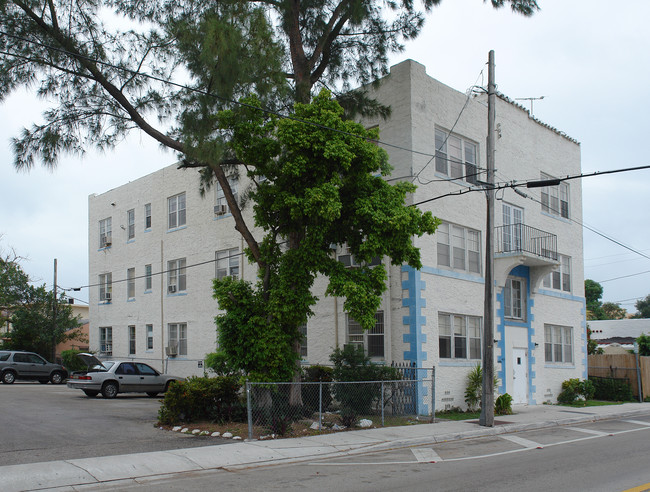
{"points": [[4, 355], [107, 364]]}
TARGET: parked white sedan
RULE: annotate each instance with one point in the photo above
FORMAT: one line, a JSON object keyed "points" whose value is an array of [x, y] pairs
{"points": [[111, 377]]}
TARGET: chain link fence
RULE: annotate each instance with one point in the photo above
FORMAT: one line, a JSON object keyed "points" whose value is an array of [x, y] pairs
{"points": [[286, 408]]}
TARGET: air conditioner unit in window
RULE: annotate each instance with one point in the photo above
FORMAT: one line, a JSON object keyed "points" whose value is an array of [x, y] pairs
{"points": [[171, 289], [171, 350], [107, 297], [105, 241], [220, 209]]}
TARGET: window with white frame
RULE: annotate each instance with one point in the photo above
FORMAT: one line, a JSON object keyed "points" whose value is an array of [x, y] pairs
{"points": [[555, 199], [105, 287], [131, 329], [130, 283], [149, 337], [176, 277], [220, 196], [558, 344], [148, 278], [373, 340], [459, 248], [560, 279], [456, 157], [513, 220], [227, 263], [106, 340], [514, 298], [176, 211], [105, 232], [303, 340], [178, 337], [130, 223], [459, 336], [147, 216], [346, 257]]}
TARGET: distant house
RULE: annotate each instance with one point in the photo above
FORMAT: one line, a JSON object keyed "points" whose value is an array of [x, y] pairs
{"points": [[618, 335], [82, 313]]}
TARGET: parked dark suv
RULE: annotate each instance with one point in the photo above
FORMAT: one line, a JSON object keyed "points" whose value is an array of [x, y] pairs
{"points": [[28, 365]]}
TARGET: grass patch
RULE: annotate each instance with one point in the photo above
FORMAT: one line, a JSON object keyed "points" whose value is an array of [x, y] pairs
{"points": [[457, 414], [591, 403]]}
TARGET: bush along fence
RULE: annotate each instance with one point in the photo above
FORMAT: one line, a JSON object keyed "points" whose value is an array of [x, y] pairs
{"points": [[335, 405], [622, 367]]}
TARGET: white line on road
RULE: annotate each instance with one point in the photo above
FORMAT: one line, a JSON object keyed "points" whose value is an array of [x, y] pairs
{"points": [[427, 455], [589, 431], [527, 443], [638, 422]]}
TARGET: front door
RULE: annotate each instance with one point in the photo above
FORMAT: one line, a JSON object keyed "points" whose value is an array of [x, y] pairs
{"points": [[519, 375]]}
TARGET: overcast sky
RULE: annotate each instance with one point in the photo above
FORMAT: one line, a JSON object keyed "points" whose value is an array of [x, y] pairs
{"points": [[589, 58]]}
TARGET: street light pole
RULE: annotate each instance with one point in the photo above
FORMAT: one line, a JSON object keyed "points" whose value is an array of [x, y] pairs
{"points": [[54, 306], [487, 394]]}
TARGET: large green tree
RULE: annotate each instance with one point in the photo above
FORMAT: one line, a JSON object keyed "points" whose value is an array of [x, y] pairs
{"points": [[643, 307], [14, 286], [593, 294], [78, 56]]}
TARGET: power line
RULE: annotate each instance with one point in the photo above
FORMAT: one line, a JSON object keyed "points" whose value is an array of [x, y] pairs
{"points": [[623, 276]]}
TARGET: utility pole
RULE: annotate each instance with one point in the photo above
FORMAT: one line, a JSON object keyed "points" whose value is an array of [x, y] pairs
{"points": [[487, 400], [54, 306]]}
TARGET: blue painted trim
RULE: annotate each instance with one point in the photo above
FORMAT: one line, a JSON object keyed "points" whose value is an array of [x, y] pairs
{"points": [[561, 295], [465, 363], [148, 291], [453, 274], [130, 241], [131, 299], [177, 294], [415, 337], [219, 217], [559, 366], [177, 229], [556, 217]]}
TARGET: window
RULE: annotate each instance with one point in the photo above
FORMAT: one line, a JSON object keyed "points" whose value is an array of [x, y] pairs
{"points": [[558, 343], [227, 263], [514, 299], [303, 341], [221, 198], [147, 216], [130, 221], [372, 341], [348, 259], [149, 337], [131, 340], [130, 283], [176, 281], [459, 248], [555, 199], [459, 336], [178, 337], [105, 233], [560, 279], [106, 340], [456, 157], [176, 211], [148, 280], [105, 287]]}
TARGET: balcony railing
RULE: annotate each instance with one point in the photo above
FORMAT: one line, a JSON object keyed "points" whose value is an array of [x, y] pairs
{"points": [[520, 238]]}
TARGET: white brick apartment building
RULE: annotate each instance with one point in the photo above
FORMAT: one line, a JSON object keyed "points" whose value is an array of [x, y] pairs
{"points": [[431, 317]]}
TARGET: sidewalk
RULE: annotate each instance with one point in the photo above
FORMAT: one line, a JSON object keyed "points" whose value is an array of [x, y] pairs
{"points": [[63, 475]]}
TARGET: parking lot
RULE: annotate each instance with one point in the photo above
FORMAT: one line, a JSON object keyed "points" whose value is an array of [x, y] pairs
{"points": [[52, 422]]}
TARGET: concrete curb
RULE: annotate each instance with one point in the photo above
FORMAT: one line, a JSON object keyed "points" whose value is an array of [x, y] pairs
{"points": [[89, 472]]}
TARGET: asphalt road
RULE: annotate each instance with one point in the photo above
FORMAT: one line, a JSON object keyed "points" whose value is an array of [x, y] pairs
{"points": [[47, 422], [607, 456]]}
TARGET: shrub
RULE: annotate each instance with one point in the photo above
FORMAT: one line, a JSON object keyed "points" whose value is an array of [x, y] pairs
{"points": [[200, 398], [71, 362], [474, 388], [352, 364], [217, 362], [611, 389], [503, 405], [311, 393], [572, 389]]}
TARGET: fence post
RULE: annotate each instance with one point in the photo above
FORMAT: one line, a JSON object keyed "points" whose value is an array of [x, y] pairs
{"points": [[249, 409], [382, 403], [320, 404], [638, 377], [433, 394]]}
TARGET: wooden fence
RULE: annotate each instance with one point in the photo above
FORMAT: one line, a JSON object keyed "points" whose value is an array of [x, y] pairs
{"points": [[623, 366]]}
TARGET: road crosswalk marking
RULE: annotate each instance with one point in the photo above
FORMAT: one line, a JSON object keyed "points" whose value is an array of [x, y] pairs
{"points": [[527, 443], [426, 455], [588, 431], [638, 422]]}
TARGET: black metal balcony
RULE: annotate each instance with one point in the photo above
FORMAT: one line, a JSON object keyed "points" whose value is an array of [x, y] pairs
{"points": [[525, 240]]}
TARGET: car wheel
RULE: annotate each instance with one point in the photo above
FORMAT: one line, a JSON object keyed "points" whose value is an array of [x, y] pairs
{"points": [[152, 394], [43, 381], [56, 377], [8, 377], [109, 390], [91, 393], [167, 385]]}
